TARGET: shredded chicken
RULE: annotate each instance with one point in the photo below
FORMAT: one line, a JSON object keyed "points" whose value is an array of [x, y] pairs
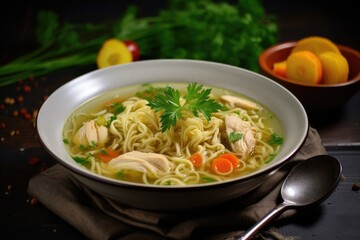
{"points": [[142, 162], [246, 144], [240, 102], [91, 133]]}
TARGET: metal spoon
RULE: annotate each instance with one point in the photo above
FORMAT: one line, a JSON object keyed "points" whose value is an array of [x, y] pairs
{"points": [[310, 182]]}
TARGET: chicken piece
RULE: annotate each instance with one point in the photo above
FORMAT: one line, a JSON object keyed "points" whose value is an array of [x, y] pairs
{"points": [[142, 162], [91, 133], [246, 144], [240, 102]]}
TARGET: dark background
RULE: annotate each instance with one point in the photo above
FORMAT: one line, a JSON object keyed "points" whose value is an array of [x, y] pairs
{"points": [[337, 20], [337, 218]]}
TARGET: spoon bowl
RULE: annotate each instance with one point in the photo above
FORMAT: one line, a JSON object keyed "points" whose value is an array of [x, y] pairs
{"points": [[309, 183]]}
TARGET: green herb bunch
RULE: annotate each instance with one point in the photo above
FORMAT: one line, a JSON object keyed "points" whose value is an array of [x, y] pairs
{"points": [[194, 29], [217, 31]]}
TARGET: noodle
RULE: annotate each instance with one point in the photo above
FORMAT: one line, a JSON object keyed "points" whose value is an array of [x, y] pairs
{"points": [[137, 129]]}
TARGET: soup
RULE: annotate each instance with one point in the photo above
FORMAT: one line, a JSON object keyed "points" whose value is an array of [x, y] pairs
{"points": [[172, 134]]}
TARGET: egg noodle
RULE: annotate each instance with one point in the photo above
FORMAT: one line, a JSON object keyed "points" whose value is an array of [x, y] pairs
{"points": [[138, 128]]}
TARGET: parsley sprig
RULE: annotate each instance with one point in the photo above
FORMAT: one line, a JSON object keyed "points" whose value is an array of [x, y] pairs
{"points": [[196, 101]]}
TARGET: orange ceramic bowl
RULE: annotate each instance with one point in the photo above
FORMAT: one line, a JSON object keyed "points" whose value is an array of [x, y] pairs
{"points": [[314, 97]]}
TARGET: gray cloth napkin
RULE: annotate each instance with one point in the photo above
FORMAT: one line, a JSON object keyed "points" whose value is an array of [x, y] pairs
{"points": [[98, 217]]}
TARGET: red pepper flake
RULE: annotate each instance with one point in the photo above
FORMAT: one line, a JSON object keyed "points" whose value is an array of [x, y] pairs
{"points": [[33, 201], [34, 161], [16, 113], [27, 88], [27, 116], [20, 99], [3, 125], [2, 107], [23, 111]]}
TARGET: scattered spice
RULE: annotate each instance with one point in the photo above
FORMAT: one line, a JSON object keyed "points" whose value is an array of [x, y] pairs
{"points": [[15, 113], [14, 132], [9, 100], [33, 201], [20, 99], [356, 186], [27, 88], [23, 111], [34, 161], [27, 116]]}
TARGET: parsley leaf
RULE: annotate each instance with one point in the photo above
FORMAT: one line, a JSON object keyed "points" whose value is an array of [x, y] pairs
{"points": [[81, 160], [275, 139], [196, 100], [235, 136]]}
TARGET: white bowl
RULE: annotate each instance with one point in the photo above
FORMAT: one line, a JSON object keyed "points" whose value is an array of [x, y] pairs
{"points": [[63, 102]]}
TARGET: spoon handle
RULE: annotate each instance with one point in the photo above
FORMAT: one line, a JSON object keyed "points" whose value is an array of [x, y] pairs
{"points": [[262, 222]]}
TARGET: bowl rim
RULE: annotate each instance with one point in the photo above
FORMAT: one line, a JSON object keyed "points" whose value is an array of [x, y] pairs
{"points": [[288, 44], [143, 187]]}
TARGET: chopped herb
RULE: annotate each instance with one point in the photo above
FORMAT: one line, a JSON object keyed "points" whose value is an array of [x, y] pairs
{"points": [[103, 152], [150, 92], [117, 108], [112, 118], [275, 139], [81, 160], [196, 100], [208, 179], [91, 146], [119, 175], [168, 183], [271, 157], [66, 141], [235, 136]]}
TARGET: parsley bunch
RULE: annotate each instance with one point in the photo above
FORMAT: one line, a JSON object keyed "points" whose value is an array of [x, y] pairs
{"points": [[196, 101]]}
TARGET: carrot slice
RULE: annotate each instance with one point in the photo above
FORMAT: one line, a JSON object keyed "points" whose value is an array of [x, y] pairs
{"points": [[222, 166], [232, 158], [304, 66], [279, 68], [335, 67], [107, 155], [316, 45], [196, 160], [113, 52]]}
